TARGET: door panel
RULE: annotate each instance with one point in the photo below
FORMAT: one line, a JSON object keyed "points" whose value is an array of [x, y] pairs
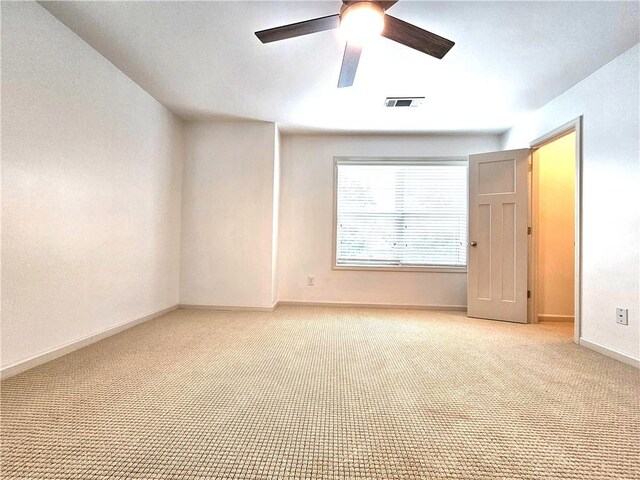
{"points": [[496, 177], [498, 221], [483, 252], [508, 252]]}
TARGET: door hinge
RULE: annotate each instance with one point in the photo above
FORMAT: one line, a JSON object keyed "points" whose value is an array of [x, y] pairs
{"points": [[528, 230], [528, 293], [530, 167]]}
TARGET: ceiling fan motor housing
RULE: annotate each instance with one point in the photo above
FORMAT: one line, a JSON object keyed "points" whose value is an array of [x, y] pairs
{"points": [[348, 5]]}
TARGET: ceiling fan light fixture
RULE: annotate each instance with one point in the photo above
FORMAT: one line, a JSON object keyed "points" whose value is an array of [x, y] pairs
{"points": [[361, 22]]}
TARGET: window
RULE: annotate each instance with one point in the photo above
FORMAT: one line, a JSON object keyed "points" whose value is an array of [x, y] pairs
{"points": [[402, 213]]}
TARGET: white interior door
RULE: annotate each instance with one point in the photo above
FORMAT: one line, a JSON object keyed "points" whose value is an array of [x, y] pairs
{"points": [[498, 221]]}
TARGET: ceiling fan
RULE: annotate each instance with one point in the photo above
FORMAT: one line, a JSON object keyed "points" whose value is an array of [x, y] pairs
{"points": [[361, 20]]}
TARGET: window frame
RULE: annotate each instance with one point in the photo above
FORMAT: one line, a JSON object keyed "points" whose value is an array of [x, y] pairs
{"points": [[352, 160]]}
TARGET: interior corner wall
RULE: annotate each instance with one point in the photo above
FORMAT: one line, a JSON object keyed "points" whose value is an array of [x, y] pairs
{"points": [[228, 214], [91, 180], [306, 222], [608, 101]]}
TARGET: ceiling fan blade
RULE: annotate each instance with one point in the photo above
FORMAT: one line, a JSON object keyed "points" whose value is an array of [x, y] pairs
{"points": [[299, 29], [415, 37], [350, 62]]}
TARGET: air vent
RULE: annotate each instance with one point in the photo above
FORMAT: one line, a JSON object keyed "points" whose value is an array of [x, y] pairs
{"points": [[403, 101]]}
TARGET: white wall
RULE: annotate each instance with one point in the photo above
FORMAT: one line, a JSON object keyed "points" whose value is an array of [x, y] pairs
{"points": [[608, 99], [227, 214], [90, 190], [306, 222]]}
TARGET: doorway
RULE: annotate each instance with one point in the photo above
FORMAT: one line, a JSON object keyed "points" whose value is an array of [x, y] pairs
{"points": [[555, 220], [552, 257], [502, 278]]}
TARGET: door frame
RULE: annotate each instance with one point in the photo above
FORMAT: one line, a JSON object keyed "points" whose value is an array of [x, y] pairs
{"points": [[574, 125]]}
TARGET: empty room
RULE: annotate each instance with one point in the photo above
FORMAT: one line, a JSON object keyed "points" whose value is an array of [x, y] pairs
{"points": [[320, 240]]}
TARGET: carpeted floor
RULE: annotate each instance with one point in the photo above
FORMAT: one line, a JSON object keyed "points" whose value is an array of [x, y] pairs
{"points": [[325, 393]]}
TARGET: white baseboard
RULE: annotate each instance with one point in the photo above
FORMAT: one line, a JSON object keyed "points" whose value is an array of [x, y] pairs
{"points": [[550, 317], [229, 308], [23, 365], [399, 306], [621, 357]]}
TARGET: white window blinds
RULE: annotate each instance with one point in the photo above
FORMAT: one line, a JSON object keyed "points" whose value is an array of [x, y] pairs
{"points": [[401, 214]]}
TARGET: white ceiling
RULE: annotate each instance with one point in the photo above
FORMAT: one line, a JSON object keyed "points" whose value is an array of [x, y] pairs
{"points": [[202, 60]]}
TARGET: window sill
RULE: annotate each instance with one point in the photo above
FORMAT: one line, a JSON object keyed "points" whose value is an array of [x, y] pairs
{"points": [[393, 268]]}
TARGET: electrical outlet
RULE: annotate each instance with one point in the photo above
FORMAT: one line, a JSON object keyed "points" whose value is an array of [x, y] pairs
{"points": [[311, 281], [622, 316]]}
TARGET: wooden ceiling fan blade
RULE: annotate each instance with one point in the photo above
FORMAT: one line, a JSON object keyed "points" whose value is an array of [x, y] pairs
{"points": [[299, 29], [415, 37], [350, 62]]}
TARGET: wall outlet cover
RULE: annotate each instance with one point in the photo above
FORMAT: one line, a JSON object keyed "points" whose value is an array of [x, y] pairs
{"points": [[622, 316]]}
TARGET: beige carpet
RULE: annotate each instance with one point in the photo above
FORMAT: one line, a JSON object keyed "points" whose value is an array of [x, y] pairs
{"points": [[325, 393]]}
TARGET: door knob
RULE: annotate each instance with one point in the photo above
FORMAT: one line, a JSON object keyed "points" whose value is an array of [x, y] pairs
{"points": [[474, 243]]}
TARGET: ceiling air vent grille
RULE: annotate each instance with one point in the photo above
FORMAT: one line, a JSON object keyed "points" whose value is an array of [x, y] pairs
{"points": [[403, 101]]}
